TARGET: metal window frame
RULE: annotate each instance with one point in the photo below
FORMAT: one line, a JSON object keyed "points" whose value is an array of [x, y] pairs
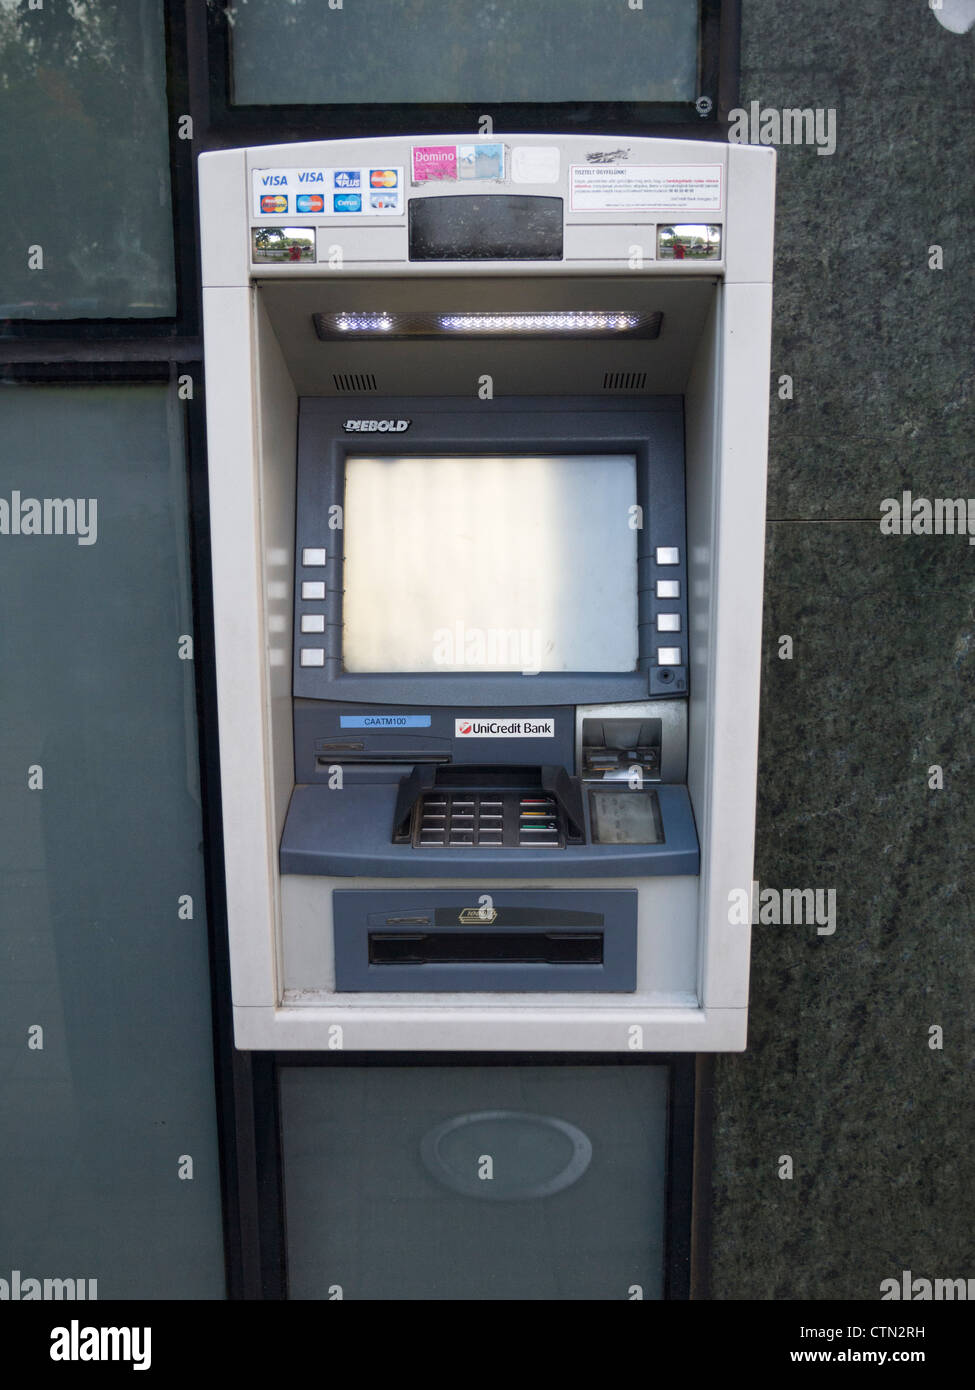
{"points": [[109, 364], [136, 338], [718, 66]]}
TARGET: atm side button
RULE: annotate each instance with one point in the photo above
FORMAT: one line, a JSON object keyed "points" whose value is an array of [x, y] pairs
{"points": [[668, 656], [313, 656], [312, 556]]}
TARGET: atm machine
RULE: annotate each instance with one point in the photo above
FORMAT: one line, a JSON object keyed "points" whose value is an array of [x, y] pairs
{"points": [[487, 444]]}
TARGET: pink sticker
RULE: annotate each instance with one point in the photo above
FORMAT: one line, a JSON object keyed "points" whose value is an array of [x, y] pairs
{"points": [[434, 162]]}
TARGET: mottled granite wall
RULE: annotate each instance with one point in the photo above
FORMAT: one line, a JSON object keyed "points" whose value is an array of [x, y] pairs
{"points": [[839, 1073]]}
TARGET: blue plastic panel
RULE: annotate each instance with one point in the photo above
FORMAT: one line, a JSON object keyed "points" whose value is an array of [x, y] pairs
{"points": [[347, 832]]}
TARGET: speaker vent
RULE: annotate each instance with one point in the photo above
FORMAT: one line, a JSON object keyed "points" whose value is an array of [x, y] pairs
{"points": [[624, 381], [348, 382]]}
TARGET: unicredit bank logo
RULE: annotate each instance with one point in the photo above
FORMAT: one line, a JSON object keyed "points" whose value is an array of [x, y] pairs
{"points": [[504, 728], [376, 426]]}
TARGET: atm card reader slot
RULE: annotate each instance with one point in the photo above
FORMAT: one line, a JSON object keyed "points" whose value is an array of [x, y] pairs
{"points": [[616, 750]]}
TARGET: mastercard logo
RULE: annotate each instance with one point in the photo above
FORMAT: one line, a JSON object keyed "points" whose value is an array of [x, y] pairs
{"points": [[382, 178], [274, 202]]}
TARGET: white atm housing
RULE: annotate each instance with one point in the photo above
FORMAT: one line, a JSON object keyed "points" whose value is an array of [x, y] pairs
{"points": [[263, 356]]}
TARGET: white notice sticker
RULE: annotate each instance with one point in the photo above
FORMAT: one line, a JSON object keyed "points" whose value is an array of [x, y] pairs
{"points": [[535, 164], [645, 187]]}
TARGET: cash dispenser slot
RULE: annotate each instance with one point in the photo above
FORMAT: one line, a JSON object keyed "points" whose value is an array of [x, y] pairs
{"points": [[450, 941], [485, 947]]}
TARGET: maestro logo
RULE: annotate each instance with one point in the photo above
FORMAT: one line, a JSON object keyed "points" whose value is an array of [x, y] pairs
{"points": [[376, 426]]}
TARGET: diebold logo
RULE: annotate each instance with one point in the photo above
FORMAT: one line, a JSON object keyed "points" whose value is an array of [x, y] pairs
{"points": [[376, 426], [504, 728]]}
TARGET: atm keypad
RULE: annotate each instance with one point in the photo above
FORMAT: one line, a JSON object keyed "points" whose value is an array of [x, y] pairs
{"points": [[487, 820]]}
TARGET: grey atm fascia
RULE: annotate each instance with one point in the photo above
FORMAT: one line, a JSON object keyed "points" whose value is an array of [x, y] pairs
{"points": [[648, 940]]}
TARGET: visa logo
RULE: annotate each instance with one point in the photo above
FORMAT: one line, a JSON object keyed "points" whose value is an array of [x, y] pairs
{"points": [[271, 180], [311, 176]]}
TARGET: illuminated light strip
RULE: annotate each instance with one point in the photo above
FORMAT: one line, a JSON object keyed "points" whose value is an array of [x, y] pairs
{"points": [[363, 323], [525, 323], [381, 323]]}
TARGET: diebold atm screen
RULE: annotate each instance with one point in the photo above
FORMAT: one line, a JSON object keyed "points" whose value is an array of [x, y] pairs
{"points": [[490, 563]]}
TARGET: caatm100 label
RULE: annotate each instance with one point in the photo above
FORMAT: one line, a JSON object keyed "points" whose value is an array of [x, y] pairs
{"points": [[504, 728]]}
